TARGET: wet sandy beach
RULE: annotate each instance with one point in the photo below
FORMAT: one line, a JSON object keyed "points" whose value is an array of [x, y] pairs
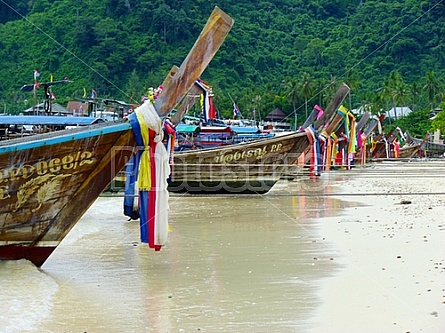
{"points": [[338, 254], [392, 252]]}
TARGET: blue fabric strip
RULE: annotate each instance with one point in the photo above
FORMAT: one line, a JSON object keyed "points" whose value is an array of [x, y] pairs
{"points": [[131, 177], [136, 129], [143, 195], [143, 218]]}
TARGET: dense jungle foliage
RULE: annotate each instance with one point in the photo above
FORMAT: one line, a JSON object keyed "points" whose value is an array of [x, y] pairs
{"points": [[287, 54]]}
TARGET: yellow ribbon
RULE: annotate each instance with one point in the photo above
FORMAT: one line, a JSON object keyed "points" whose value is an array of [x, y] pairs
{"points": [[144, 179], [352, 135]]}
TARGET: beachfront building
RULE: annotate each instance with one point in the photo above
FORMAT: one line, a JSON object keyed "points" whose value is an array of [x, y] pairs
{"points": [[398, 111]]}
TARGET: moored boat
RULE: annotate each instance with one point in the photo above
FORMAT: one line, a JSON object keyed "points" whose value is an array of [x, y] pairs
{"points": [[429, 147], [48, 181], [12, 127], [251, 167], [201, 137], [396, 145]]}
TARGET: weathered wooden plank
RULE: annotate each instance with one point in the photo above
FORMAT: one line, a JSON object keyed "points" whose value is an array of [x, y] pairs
{"points": [[202, 52], [186, 104], [331, 110]]}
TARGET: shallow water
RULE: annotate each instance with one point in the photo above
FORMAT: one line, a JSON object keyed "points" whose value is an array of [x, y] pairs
{"points": [[232, 264]]}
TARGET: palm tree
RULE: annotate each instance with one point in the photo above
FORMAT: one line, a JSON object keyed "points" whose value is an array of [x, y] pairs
{"points": [[319, 87], [256, 106], [330, 89], [415, 94], [292, 92], [366, 102], [385, 92], [401, 94], [306, 88], [441, 94], [353, 82], [391, 88], [395, 81], [431, 86]]}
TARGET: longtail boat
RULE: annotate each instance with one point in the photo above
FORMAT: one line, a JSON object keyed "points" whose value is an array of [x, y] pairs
{"points": [[251, 167], [367, 149], [414, 148], [48, 181], [381, 145], [428, 147], [396, 145], [410, 150]]}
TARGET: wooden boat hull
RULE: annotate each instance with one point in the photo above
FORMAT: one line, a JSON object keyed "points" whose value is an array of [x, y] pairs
{"points": [[48, 183], [407, 151], [377, 150], [430, 148], [252, 167]]}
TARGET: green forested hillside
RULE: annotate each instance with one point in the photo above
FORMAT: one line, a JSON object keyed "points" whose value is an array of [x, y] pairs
{"points": [[279, 53]]}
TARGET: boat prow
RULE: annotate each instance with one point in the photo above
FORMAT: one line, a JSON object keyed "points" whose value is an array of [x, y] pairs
{"points": [[48, 181]]}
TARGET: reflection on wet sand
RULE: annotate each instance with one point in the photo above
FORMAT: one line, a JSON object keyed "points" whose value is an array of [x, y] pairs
{"points": [[241, 264]]}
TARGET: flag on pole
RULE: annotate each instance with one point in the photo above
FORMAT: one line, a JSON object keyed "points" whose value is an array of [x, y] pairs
{"points": [[235, 110], [36, 74], [84, 93], [206, 100], [320, 111]]}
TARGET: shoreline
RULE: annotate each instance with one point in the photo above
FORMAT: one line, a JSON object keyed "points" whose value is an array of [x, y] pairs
{"points": [[391, 254]]}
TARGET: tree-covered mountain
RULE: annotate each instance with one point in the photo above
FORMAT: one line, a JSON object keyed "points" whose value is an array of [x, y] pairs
{"points": [[282, 53]]}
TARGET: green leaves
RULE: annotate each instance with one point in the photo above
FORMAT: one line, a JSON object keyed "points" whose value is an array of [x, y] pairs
{"points": [[102, 43]]}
